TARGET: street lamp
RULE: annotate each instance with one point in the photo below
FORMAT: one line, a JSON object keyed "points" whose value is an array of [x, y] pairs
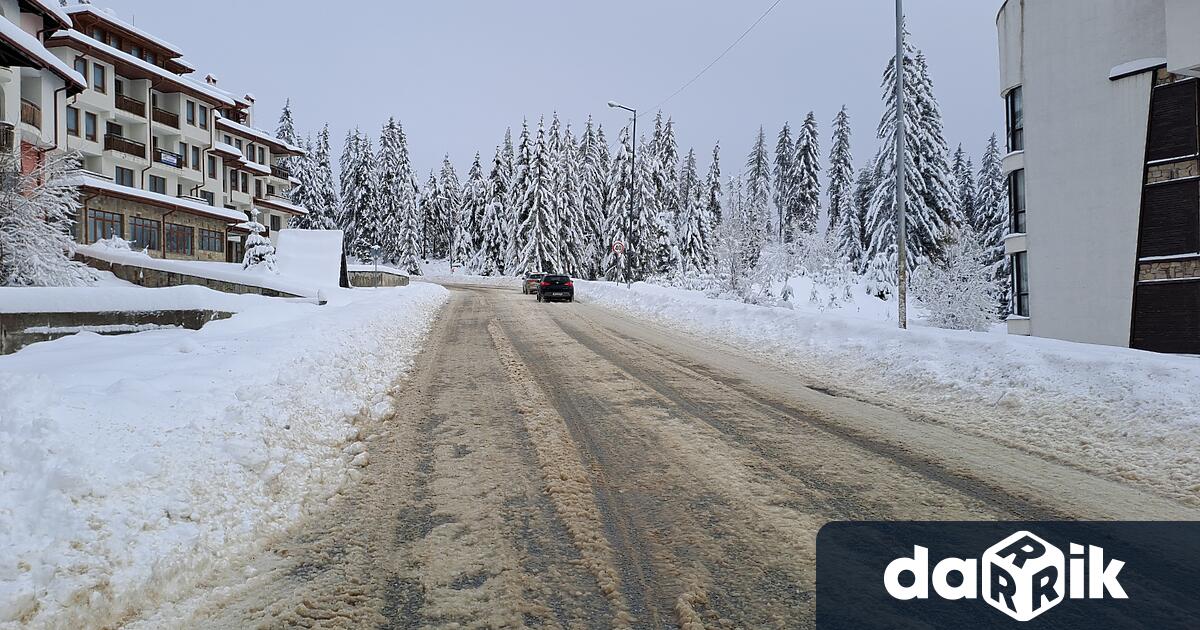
{"points": [[632, 190]]}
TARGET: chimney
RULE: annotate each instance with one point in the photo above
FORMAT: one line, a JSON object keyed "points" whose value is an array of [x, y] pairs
{"points": [[211, 79], [250, 109]]}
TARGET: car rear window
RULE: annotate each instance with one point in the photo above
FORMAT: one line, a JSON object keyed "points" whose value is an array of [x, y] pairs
{"points": [[558, 278]]}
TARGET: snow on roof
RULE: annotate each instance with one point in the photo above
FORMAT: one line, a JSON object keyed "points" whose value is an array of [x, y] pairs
{"points": [[111, 18], [227, 149], [145, 66], [184, 63], [1136, 66], [258, 134], [280, 203], [247, 165], [196, 207], [30, 45], [53, 10]]}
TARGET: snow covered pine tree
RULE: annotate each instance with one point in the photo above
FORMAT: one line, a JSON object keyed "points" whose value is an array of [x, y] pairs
{"points": [[36, 211], [259, 250]]}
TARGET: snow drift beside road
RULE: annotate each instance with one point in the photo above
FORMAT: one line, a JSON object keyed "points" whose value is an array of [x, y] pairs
{"points": [[1124, 414], [130, 466]]}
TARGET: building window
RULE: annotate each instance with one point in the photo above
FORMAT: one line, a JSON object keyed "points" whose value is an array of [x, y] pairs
{"points": [[135, 50], [1173, 128], [245, 183], [1170, 219], [158, 184], [238, 143], [124, 176], [212, 167], [179, 239], [270, 190], [97, 34], [1016, 200], [1020, 284], [258, 188], [151, 57], [195, 158], [183, 154], [227, 139], [211, 241], [250, 152], [144, 232], [276, 223], [99, 78], [203, 117], [1015, 120], [191, 112], [81, 65], [89, 126], [262, 155], [102, 225], [73, 121], [208, 197]]}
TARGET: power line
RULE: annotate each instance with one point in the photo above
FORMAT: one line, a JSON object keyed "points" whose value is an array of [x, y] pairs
{"points": [[720, 56]]}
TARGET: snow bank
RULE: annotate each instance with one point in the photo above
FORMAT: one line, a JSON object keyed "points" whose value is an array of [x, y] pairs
{"points": [[225, 272], [127, 298], [131, 466], [1124, 414], [310, 255]]}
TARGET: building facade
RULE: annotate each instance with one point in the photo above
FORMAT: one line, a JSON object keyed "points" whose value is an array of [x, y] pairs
{"points": [[171, 162], [1103, 130]]}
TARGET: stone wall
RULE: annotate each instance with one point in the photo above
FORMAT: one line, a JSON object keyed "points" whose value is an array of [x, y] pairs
{"points": [[134, 209], [377, 279], [1169, 270], [1158, 173], [155, 278], [18, 330]]}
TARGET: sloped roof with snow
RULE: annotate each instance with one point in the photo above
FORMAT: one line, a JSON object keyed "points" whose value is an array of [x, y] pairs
{"points": [[16, 36], [111, 19], [259, 135], [157, 199], [51, 9]]}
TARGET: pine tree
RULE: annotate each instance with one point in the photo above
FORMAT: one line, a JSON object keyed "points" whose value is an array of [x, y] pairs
{"points": [[259, 250], [448, 205], [573, 240], [593, 182], [713, 197], [286, 131], [644, 232], [618, 224], [963, 172], [360, 209], [350, 216], [930, 205], [518, 187], [664, 166], [991, 220], [436, 242], [786, 178], [493, 255], [323, 201], [695, 230], [398, 208], [538, 232], [756, 223], [302, 171], [841, 178], [472, 207], [36, 212], [808, 182]]}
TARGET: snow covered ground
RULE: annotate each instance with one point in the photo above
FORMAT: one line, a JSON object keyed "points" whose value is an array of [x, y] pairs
{"points": [[130, 466], [1122, 413]]}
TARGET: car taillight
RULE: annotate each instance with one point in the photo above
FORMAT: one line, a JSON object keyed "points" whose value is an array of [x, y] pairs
{"points": [[570, 284], [545, 284]]}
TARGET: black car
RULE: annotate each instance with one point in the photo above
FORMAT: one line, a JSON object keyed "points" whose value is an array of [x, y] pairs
{"points": [[556, 287]]}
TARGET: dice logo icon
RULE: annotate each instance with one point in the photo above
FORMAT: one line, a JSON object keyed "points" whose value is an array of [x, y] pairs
{"points": [[1023, 576]]}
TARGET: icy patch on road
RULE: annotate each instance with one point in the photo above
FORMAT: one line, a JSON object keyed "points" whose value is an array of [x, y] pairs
{"points": [[132, 466], [1122, 413]]}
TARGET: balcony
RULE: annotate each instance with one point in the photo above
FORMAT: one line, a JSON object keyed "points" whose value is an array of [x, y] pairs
{"points": [[131, 105], [282, 172], [168, 158], [170, 119], [31, 114], [7, 137], [121, 144]]}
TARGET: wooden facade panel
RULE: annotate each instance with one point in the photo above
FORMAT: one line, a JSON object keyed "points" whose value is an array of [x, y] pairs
{"points": [[1166, 317], [1170, 222], [1173, 121]]}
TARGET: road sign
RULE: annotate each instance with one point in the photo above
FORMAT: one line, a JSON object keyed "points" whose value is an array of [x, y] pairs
{"points": [[618, 248]]}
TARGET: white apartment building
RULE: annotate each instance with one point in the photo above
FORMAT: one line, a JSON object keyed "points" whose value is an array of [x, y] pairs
{"points": [[1103, 167], [171, 162]]}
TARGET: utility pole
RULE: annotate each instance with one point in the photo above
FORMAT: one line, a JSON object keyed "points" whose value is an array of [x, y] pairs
{"points": [[901, 211], [632, 191]]}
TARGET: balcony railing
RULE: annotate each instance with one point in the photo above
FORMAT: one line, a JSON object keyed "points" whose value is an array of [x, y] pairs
{"points": [[131, 105], [168, 158], [7, 137], [280, 171], [31, 114], [170, 119], [113, 142]]}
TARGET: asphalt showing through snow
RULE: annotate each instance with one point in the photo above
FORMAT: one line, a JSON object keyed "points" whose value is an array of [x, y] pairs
{"points": [[557, 465]]}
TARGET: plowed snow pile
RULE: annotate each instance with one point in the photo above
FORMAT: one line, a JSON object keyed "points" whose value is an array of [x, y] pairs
{"points": [[1124, 414], [130, 466]]}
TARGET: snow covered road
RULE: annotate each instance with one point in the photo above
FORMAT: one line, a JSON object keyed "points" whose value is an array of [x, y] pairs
{"points": [[567, 466]]}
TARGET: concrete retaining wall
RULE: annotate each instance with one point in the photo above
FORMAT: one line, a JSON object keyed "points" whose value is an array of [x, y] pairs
{"points": [[377, 279], [155, 278], [18, 330]]}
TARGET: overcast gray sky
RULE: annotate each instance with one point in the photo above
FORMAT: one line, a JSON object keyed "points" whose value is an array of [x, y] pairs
{"points": [[456, 72]]}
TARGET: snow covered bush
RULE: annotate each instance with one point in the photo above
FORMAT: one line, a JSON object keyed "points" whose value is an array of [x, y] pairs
{"points": [[36, 212], [958, 291], [259, 250]]}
